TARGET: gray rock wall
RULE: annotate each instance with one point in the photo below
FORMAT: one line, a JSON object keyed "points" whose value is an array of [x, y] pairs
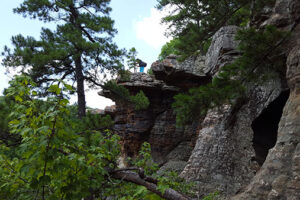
{"points": [[279, 177], [223, 50], [223, 157]]}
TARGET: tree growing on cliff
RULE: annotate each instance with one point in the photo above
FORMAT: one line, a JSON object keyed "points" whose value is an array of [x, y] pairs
{"points": [[194, 22], [168, 49], [228, 86], [80, 49]]}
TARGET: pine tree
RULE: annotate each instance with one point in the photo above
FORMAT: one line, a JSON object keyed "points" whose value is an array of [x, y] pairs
{"points": [[80, 49], [194, 22]]}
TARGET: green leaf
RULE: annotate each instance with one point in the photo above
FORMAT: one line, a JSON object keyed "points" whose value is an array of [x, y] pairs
{"points": [[34, 93], [54, 89], [18, 98], [69, 87]]}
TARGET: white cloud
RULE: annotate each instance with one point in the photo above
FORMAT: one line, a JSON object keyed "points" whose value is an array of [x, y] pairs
{"points": [[150, 29], [93, 100]]}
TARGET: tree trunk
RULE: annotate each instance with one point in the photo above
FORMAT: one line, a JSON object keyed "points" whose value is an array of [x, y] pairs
{"points": [[133, 177], [80, 87], [252, 10]]}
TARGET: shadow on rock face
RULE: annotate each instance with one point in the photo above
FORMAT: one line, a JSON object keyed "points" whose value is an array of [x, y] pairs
{"points": [[265, 127]]}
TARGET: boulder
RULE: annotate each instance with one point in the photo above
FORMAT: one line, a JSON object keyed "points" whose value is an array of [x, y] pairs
{"points": [[147, 83], [184, 75], [110, 110], [222, 51]]}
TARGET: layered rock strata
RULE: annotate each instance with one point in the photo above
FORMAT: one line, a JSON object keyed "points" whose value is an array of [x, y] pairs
{"points": [[156, 125]]}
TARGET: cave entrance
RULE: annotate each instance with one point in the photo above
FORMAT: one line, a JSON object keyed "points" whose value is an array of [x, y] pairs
{"points": [[265, 127]]}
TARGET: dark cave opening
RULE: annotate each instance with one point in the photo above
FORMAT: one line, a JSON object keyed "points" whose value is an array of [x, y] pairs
{"points": [[265, 127]]}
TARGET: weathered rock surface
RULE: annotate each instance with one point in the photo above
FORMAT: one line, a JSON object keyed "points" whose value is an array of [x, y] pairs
{"points": [[108, 110], [232, 149], [222, 51], [229, 148], [285, 14], [286, 17], [147, 83], [224, 158], [185, 75], [279, 177], [155, 125]]}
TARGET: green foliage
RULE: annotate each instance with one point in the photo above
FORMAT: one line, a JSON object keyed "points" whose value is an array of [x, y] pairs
{"points": [[257, 48], [92, 122], [150, 72], [169, 48], [52, 162], [60, 157], [211, 196], [6, 107], [193, 23], [150, 168], [4, 110], [145, 161], [199, 100], [140, 100], [78, 50], [241, 18], [124, 75], [173, 180], [184, 47], [118, 91], [131, 62]]}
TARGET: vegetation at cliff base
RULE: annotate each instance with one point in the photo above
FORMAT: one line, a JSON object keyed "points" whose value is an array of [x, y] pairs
{"points": [[58, 157]]}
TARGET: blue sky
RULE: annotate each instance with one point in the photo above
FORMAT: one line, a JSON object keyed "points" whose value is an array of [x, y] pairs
{"points": [[137, 22]]}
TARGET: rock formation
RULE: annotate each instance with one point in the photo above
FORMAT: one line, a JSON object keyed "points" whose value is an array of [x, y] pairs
{"points": [[241, 150], [224, 157], [156, 125], [279, 177], [191, 73]]}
